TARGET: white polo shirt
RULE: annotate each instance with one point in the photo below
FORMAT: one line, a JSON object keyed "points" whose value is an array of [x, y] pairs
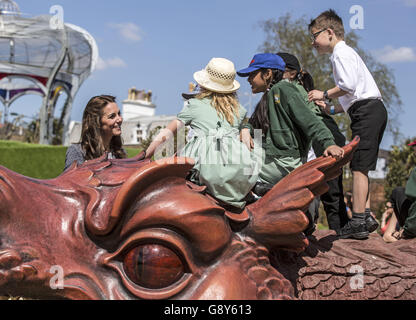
{"points": [[352, 75]]}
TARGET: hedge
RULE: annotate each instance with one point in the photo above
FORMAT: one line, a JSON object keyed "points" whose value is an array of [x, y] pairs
{"points": [[37, 161]]}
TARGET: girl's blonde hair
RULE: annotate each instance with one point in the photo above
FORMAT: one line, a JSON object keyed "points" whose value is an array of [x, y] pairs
{"points": [[226, 104]]}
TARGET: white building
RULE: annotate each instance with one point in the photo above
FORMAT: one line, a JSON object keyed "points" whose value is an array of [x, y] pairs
{"points": [[138, 103], [381, 168], [139, 118]]}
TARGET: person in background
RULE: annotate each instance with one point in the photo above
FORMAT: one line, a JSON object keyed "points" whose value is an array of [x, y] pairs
{"points": [[386, 217], [403, 201], [333, 200], [100, 132], [348, 202]]}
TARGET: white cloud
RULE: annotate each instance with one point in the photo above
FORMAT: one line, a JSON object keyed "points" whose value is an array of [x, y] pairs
{"points": [[128, 31], [115, 62], [410, 3], [390, 54]]}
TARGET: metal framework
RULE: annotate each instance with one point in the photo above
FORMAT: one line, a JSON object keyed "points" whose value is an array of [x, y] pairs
{"points": [[54, 56]]}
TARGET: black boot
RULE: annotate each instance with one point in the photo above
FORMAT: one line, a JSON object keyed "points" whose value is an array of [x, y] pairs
{"points": [[356, 228]]}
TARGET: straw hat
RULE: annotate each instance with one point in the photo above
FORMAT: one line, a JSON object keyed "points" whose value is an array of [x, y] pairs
{"points": [[218, 76]]}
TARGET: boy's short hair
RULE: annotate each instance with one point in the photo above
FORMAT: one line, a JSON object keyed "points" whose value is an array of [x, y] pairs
{"points": [[329, 19]]}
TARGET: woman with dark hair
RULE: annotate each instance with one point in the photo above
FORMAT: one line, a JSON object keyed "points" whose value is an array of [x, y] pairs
{"points": [[100, 133], [287, 124]]}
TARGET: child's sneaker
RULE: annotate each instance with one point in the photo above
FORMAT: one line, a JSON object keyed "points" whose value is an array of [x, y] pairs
{"points": [[371, 223], [354, 229]]}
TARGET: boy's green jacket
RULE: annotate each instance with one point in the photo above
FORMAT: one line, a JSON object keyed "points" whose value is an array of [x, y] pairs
{"points": [[292, 124]]}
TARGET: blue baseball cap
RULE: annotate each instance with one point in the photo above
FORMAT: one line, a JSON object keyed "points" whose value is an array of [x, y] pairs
{"points": [[263, 60]]}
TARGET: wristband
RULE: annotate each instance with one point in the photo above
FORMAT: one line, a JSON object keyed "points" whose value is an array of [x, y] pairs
{"points": [[332, 110], [326, 95]]}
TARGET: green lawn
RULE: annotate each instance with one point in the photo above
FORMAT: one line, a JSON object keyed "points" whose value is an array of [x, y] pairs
{"points": [[37, 161]]}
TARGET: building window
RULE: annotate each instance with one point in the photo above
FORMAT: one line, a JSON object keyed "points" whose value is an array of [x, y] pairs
{"points": [[139, 134]]}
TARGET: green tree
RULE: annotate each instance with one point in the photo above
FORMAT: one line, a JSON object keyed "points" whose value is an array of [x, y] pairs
{"points": [[57, 131], [288, 35], [145, 143], [402, 161], [32, 132]]}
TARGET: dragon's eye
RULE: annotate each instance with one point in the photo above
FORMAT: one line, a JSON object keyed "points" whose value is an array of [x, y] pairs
{"points": [[153, 266], [153, 263]]}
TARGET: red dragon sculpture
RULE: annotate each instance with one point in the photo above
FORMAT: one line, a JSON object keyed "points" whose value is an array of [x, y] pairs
{"points": [[135, 229]]}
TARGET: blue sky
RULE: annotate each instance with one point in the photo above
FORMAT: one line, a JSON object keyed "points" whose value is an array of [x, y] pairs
{"points": [[157, 45]]}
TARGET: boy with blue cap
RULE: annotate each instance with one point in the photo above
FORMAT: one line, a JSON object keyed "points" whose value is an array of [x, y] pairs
{"points": [[286, 122]]}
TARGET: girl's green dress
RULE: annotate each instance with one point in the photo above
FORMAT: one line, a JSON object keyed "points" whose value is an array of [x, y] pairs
{"points": [[222, 162]]}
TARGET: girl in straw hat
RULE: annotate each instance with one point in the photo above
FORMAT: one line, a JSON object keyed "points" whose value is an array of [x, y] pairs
{"points": [[222, 162]]}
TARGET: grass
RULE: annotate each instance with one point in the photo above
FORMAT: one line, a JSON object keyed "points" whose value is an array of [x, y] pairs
{"points": [[37, 161], [321, 226]]}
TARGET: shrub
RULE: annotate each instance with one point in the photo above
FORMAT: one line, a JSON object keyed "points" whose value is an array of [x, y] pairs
{"points": [[37, 161]]}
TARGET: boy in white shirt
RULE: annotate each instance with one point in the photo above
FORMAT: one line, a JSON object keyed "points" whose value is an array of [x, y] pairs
{"points": [[358, 95]]}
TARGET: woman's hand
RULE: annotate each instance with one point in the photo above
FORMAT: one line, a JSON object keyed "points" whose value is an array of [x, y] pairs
{"points": [[245, 137], [334, 151]]}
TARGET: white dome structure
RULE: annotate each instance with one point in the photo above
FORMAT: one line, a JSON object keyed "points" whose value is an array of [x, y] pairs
{"points": [[54, 56]]}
